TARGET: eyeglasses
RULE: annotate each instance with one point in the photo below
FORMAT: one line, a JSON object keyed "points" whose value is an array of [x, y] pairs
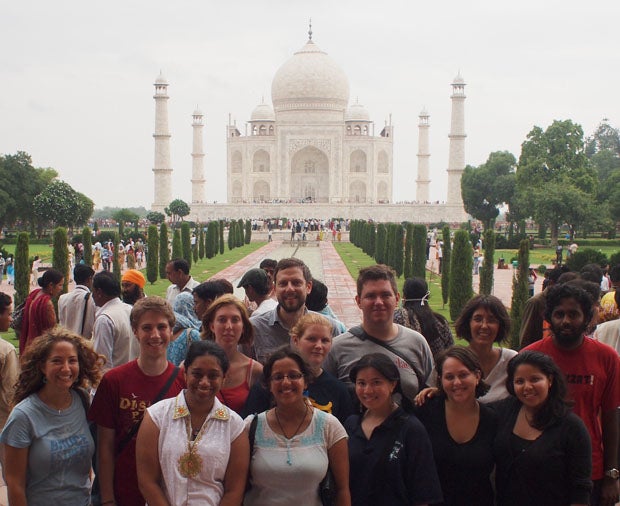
{"points": [[291, 376]]}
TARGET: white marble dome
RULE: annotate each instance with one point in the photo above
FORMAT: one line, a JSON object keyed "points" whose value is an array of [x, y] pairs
{"points": [[310, 79], [356, 112], [263, 112]]}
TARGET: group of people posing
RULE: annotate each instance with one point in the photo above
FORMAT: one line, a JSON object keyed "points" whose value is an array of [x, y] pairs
{"points": [[282, 407]]}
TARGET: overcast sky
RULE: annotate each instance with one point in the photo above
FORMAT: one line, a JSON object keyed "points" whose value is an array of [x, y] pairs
{"points": [[76, 87]]}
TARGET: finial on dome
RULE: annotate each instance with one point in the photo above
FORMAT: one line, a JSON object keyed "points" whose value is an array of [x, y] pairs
{"points": [[310, 30]]}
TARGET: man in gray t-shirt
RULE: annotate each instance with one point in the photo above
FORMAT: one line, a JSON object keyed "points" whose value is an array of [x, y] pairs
{"points": [[377, 297]]}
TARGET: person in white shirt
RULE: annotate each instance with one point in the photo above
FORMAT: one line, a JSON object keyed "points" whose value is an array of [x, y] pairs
{"points": [[177, 272], [76, 309], [112, 333]]}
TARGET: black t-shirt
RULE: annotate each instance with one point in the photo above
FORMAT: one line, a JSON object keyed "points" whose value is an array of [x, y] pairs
{"points": [[403, 474], [464, 468]]}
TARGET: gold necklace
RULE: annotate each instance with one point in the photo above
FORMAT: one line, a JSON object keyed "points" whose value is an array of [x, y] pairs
{"points": [[190, 463]]}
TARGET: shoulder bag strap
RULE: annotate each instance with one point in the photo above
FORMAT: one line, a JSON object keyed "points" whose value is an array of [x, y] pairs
{"points": [[84, 313], [360, 333], [134, 428]]}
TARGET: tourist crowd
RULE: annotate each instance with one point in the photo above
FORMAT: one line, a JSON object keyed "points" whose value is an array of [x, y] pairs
{"points": [[201, 398]]}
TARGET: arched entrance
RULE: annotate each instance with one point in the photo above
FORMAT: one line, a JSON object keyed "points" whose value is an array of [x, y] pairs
{"points": [[309, 176]]}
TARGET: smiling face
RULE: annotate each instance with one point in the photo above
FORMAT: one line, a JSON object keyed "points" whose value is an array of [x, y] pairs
{"points": [[287, 383], [314, 344], [61, 368], [373, 389], [458, 382], [292, 289], [227, 326], [377, 301], [204, 379], [531, 386], [153, 331], [483, 327]]}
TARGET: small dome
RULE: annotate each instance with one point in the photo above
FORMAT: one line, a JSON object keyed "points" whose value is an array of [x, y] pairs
{"points": [[356, 112], [161, 79], [309, 80], [458, 79], [197, 112], [424, 113], [263, 112]]}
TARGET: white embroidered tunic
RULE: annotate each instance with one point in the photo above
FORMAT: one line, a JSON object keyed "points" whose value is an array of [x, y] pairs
{"points": [[223, 427]]}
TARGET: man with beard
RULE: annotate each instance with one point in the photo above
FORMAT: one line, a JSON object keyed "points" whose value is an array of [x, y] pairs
{"points": [[293, 283], [132, 286], [593, 375]]}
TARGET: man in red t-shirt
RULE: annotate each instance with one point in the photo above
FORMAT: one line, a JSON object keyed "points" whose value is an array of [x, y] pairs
{"points": [[593, 375], [124, 394]]}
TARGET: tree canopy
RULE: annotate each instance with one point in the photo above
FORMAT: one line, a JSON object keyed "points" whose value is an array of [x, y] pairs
{"points": [[62, 205], [485, 188], [155, 217], [177, 209]]}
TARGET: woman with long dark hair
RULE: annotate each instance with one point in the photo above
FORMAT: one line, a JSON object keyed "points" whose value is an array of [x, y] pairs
{"points": [[542, 449], [416, 314], [39, 313]]}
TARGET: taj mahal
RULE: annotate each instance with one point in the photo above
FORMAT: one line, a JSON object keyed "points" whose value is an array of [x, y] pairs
{"points": [[312, 152]]}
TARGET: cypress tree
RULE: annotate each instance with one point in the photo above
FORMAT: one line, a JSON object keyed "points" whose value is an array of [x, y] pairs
{"points": [[186, 243], [201, 243], [60, 255], [407, 270], [87, 243], [486, 272], [239, 237], [210, 240], [248, 231], [231, 234], [221, 237], [372, 239], [195, 252], [164, 252], [399, 248], [520, 293], [380, 243], [22, 268], [418, 267], [177, 246], [116, 262], [461, 266], [445, 265], [151, 259]]}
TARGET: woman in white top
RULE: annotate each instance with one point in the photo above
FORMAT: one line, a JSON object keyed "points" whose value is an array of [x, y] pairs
{"points": [[484, 322], [192, 449], [294, 443]]}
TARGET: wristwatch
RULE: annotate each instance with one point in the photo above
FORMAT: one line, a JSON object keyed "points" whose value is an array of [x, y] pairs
{"points": [[614, 474]]}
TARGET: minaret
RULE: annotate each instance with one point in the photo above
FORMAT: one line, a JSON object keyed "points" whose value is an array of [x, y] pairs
{"points": [[456, 162], [423, 181], [162, 169], [198, 169]]}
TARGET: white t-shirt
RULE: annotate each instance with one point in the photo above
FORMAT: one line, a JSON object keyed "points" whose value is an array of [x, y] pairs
{"points": [[285, 472]]}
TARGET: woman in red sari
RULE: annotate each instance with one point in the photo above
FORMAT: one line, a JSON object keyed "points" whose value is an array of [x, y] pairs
{"points": [[39, 313]]}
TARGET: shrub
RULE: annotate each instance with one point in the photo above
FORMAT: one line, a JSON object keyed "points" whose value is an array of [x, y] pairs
{"points": [[201, 243], [520, 293], [88, 246], [380, 243], [248, 231], [116, 263], [408, 251], [186, 243], [486, 272], [461, 266], [164, 252], [22, 268], [584, 257], [445, 265], [221, 237], [151, 259], [177, 247], [60, 255], [418, 262]]}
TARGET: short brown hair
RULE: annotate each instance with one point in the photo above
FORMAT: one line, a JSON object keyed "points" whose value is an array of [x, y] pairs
{"points": [[376, 272], [288, 263], [247, 336], [494, 305], [152, 303]]}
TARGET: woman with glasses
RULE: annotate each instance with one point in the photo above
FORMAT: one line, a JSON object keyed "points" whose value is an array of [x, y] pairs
{"points": [[293, 444], [461, 429]]}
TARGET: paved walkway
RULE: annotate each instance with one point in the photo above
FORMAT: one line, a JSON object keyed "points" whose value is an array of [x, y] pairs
{"points": [[324, 263]]}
